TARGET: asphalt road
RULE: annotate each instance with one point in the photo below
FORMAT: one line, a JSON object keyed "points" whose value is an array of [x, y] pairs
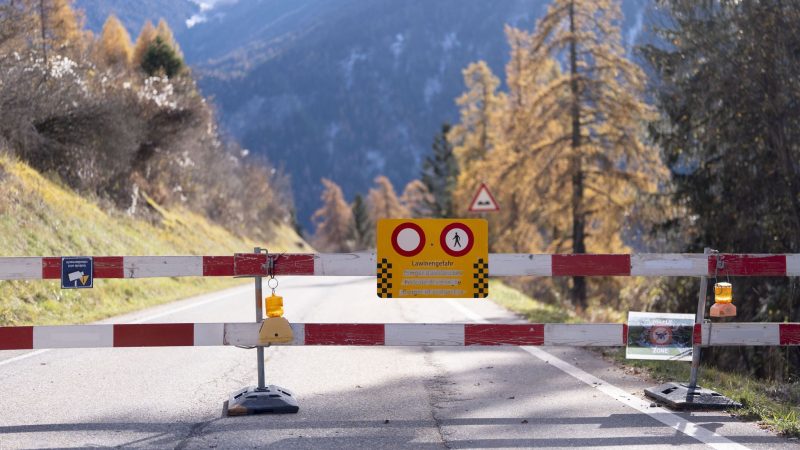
{"points": [[350, 397]]}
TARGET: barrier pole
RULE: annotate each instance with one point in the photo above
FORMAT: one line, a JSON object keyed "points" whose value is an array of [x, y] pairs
{"points": [[261, 399], [259, 317], [698, 319]]}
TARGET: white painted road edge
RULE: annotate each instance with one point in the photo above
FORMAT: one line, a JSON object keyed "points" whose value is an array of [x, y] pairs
{"points": [[674, 421], [660, 414], [167, 312]]}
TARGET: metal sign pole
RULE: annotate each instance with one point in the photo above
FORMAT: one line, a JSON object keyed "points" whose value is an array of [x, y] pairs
{"points": [[699, 318], [259, 318]]}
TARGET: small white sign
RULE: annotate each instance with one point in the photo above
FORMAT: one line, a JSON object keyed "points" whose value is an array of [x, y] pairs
{"points": [[483, 201], [661, 336]]}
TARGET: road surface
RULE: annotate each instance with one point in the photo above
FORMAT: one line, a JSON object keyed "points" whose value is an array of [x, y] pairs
{"points": [[350, 397]]}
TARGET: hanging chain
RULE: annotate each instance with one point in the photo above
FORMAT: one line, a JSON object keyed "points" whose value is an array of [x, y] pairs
{"points": [[720, 264], [272, 282]]}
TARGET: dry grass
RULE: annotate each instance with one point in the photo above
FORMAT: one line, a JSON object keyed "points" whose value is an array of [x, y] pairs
{"points": [[39, 217]]}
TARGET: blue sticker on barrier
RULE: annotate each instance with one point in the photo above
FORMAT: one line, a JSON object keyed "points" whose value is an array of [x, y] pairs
{"points": [[77, 272]]}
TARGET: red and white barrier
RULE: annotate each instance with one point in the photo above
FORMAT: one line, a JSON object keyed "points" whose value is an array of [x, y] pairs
{"points": [[367, 334], [354, 264]]}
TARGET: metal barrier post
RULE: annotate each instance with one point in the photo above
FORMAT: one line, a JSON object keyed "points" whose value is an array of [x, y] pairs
{"points": [[699, 319], [259, 317], [261, 399], [692, 396]]}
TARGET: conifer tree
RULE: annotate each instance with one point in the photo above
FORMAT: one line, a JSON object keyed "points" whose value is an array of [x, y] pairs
{"points": [[333, 220], [476, 137], [727, 87], [60, 27], [439, 175], [383, 202], [595, 160], [480, 105], [146, 36], [161, 57], [165, 33], [115, 44], [417, 199], [363, 229]]}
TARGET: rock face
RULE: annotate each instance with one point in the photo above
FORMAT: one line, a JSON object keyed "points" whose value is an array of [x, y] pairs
{"points": [[347, 89]]}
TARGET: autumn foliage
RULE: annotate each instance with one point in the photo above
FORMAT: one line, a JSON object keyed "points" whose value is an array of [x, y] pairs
{"points": [[124, 122]]}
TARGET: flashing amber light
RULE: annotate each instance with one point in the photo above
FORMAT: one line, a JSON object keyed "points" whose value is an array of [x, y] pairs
{"points": [[723, 301], [274, 305]]}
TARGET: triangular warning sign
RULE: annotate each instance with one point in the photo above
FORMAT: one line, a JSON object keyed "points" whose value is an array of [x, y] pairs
{"points": [[483, 201]]}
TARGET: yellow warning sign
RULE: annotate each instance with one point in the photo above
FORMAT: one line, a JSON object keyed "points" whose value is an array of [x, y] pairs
{"points": [[433, 258]]}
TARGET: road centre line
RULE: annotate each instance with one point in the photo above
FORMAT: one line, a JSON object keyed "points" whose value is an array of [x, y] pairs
{"points": [[136, 321], [660, 414]]}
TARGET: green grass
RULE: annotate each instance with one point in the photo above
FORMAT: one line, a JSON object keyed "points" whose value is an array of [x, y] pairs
{"points": [[532, 310], [41, 218], [774, 405]]}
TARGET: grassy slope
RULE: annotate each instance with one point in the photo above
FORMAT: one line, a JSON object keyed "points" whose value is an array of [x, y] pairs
{"points": [[40, 218], [773, 404]]}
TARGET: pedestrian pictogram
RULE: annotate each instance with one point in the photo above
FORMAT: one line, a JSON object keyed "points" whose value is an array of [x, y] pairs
{"points": [[76, 273], [456, 239], [483, 201], [433, 258]]}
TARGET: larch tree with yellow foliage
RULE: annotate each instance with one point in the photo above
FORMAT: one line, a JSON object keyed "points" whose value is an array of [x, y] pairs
{"points": [[60, 27], [477, 135], [147, 35], [565, 152], [382, 201], [333, 220], [115, 48], [165, 33], [594, 160]]}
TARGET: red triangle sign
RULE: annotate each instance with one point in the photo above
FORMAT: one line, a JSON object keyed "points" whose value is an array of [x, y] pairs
{"points": [[483, 201]]}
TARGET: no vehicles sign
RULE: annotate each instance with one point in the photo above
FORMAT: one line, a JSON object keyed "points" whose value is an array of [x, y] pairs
{"points": [[77, 272], [433, 258]]}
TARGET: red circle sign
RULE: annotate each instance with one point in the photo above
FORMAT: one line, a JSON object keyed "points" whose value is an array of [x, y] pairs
{"points": [[408, 239], [456, 239], [660, 335]]}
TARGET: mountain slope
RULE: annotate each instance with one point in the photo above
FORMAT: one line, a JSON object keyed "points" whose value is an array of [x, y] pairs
{"points": [[41, 218], [349, 89]]}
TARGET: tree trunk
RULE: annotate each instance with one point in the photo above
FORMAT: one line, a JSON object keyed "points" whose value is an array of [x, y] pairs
{"points": [[578, 293], [43, 23]]}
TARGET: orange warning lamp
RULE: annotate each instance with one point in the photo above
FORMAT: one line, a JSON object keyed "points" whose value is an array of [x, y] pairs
{"points": [[723, 301], [274, 305]]}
